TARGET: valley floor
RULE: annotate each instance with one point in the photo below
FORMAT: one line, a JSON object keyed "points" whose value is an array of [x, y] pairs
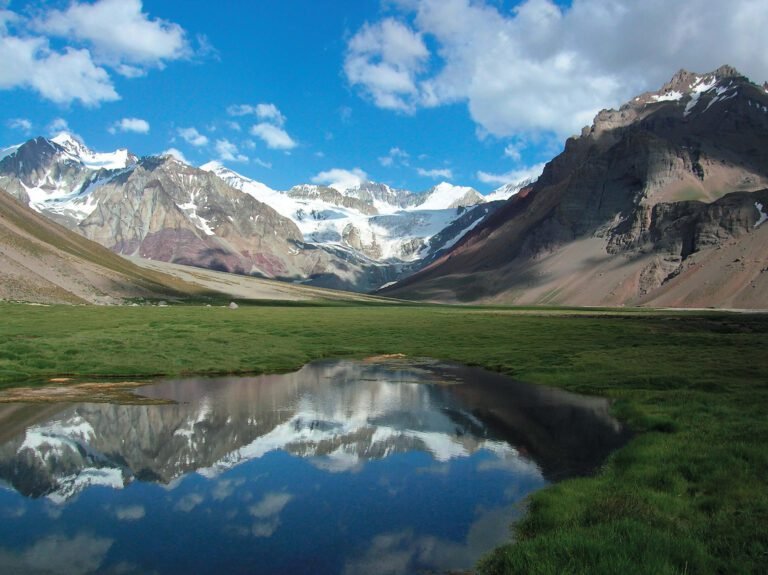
{"points": [[687, 495]]}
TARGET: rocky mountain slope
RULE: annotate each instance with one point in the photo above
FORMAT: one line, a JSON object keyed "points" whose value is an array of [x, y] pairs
{"points": [[162, 209], [661, 202], [43, 262]]}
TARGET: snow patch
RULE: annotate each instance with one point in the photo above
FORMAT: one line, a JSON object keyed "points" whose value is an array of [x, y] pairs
{"points": [[672, 96], [699, 86], [763, 215]]}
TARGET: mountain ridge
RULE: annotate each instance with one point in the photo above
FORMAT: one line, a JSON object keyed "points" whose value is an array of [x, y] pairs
{"points": [[160, 208], [583, 234]]}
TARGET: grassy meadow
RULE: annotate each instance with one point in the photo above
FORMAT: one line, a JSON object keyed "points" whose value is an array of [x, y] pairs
{"points": [[689, 494]]}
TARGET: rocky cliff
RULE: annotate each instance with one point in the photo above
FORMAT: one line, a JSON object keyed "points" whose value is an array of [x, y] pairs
{"points": [[650, 199]]}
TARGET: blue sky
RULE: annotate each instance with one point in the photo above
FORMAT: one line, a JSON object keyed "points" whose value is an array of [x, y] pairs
{"points": [[406, 92]]}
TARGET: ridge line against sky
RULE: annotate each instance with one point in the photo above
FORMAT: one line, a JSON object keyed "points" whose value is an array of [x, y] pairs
{"points": [[405, 92]]}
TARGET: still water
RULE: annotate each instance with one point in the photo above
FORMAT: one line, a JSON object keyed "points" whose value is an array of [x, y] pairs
{"points": [[341, 467]]}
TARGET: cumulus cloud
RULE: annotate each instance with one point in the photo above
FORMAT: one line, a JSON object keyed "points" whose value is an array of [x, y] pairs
{"points": [[511, 177], [436, 174], [62, 77], [192, 136], [541, 67], [228, 151], [270, 113], [273, 136], [113, 34], [21, 124], [135, 125], [118, 31], [384, 59], [341, 179]]}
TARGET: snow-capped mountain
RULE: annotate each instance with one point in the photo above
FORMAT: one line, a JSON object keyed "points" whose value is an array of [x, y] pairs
{"points": [[355, 238], [384, 224]]}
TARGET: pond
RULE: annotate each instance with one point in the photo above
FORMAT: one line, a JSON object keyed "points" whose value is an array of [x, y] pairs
{"points": [[379, 466]]}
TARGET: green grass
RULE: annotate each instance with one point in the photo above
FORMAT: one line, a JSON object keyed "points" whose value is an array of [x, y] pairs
{"points": [[687, 495]]}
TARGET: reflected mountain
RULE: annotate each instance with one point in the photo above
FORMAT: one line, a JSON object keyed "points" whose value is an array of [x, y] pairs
{"points": [[337, 414]]}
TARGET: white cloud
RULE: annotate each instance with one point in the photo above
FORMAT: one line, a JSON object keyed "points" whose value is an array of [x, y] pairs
{"points": [[341, 179], [21, 124], [394, 156], [241, 110], [228, 152], [275, 137], [192, 136], [437, 174], [118, 32], [511, 177], [176, 154], [105, 33], [270, 113], [234, 126], [262, 163], [61, 77], [384, 59], [267, 112], [58, 125], [544, 68], [513, 151], [136, 125]]}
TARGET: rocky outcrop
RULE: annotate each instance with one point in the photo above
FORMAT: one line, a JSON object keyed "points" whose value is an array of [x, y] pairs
{"points": [[614, 217]]}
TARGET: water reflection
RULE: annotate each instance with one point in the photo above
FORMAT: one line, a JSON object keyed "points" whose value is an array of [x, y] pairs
{"points": [[340, 467]]}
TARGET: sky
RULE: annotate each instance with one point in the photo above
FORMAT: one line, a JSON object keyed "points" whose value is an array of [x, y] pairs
{"points": [[405, 92]]}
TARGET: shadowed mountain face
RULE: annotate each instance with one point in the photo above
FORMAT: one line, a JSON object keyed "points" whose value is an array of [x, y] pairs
{"points": [[647, 206]]}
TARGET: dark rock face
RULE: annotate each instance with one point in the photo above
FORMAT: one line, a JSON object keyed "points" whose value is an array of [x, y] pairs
{"points": [[656, 176]]}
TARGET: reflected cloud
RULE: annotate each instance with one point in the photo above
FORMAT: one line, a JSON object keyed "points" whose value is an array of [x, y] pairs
{"points": [[130, 512], [189, 502], [224, 488], [270, 504], [57, 555], [405, 552], [268, 512]]}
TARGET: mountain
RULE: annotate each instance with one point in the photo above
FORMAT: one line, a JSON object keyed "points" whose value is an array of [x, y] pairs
{"points": [[43, 262], [661, 202], [162, 209]]}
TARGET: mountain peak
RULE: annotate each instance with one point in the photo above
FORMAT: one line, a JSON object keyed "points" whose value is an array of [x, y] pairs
{"points": [[71, 143]]}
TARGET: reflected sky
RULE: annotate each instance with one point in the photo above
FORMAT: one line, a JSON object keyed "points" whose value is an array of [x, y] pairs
{"points": [[341, 467]]}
